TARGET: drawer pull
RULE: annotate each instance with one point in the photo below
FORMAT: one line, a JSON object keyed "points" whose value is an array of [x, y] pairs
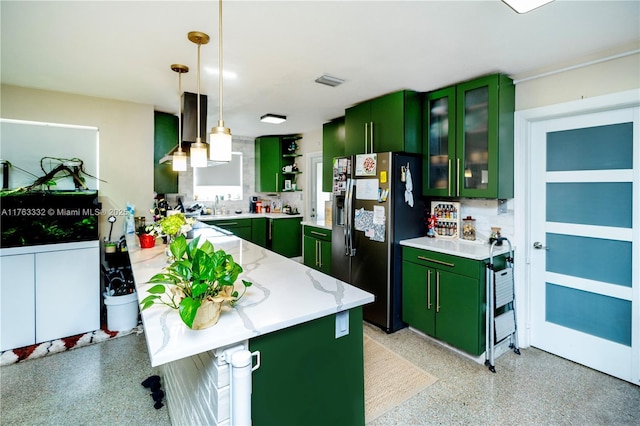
{"points": [[227, 223], [318, 233], [439, 262], [429, 289]]}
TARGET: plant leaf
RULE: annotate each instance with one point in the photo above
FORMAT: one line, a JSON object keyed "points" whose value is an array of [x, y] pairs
{"points": [[178, 247], [188, 310], [163, 278], [156, 289], [192, 247], [247, 283]]}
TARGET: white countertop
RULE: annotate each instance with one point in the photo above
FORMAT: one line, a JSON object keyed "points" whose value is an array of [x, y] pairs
{"points": [[456, 247], [284, 293]]}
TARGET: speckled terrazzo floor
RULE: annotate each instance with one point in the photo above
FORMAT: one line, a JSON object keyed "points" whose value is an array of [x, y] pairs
{"points": [[100, 385], [535, 388], [92, 385]]}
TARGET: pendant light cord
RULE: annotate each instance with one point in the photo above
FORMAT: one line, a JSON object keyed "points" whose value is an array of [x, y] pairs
{"points": [[199, 139], [220, 60], [179, 111]]}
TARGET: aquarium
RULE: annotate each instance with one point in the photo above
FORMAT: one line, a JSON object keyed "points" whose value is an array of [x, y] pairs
{"points": [[47, 217]]}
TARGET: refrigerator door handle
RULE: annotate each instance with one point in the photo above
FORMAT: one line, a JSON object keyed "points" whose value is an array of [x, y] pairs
{"points": [[348, 226]]}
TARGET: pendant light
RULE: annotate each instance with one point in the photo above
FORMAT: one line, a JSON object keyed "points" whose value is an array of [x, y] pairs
{"points": [[198, 149], [220, 139], [179, 157]]}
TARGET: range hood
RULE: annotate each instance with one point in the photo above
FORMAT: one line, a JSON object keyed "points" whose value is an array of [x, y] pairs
{"points": [[190, 123]]}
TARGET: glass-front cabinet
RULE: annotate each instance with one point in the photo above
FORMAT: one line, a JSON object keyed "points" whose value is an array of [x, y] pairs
{"points": [[440, 143], [469, 139]]}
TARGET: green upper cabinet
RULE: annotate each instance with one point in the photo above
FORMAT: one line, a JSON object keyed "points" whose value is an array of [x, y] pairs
{"points": [[333, 139], [268, 163], [468, 139], [165, 138], [388, 123]]}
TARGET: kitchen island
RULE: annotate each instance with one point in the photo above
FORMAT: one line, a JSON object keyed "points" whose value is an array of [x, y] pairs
{"points": [[291, 314]]}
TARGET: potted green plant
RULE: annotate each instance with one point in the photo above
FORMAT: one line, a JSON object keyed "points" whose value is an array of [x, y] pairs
{"points": [[197, 282]]}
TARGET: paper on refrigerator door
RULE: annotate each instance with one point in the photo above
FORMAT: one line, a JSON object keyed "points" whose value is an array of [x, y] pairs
{"points": [[367, 189], [379, 217]]}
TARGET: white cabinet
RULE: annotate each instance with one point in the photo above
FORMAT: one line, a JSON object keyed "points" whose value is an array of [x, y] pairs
{"points": [[49, 292], [17, 311]]}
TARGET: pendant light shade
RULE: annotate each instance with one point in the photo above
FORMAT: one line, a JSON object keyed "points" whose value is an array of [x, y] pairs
{"points": [[198, 149], [179, 159], [220, 143], [220, 139]]}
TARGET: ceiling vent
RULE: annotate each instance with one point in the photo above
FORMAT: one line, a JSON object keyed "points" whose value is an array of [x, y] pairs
{"points": [[329, 81]]}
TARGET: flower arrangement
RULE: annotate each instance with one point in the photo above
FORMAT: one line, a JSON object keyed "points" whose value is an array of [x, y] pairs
{"points": [[172, 226], [201, 279]]}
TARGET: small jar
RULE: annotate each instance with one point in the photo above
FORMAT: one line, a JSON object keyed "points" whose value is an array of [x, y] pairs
{"points": [[469, 228]]}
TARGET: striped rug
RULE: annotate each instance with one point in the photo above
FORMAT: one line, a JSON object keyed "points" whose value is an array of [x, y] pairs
{"points": [[60, 345]]}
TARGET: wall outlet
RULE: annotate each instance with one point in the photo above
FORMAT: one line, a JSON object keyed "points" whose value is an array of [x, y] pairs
{"points": [[342, 324]]}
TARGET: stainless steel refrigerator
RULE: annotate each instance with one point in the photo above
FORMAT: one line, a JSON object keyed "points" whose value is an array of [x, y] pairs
{"points": [[377, 202]]}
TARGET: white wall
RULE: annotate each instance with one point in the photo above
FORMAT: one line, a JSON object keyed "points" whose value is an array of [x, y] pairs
{"points": [[126, 142], [612, 76]]}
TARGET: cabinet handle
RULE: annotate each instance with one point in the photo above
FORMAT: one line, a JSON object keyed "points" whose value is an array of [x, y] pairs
{"points": [[449, 179], [316, 252], [366, 136], [437, 291], [429, 289], [371, 137], [319, 253], [227, 223], [277, 186], [458, 176], [318, 233], [439, 262], [270, 222]]}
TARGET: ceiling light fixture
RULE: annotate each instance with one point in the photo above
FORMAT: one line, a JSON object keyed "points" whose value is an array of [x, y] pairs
{"points": [[198, 149], [179, 162], [329, 81], [220, 138], [273, 118], [524, 6]]}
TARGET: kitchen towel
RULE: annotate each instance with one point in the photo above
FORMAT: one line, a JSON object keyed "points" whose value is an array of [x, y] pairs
{"points": [[408, 188]]}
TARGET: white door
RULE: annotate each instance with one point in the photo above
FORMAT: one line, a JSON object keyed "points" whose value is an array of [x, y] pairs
{"points": [[585, 221]]}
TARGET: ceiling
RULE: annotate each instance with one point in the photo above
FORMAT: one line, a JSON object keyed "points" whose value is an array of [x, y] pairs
{"points": [[123, 50]]}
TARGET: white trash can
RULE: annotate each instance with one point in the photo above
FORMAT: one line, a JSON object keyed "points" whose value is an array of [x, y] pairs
{"points": [[122, 312]]}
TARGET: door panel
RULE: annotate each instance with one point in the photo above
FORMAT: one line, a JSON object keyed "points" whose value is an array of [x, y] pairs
{"points": [[584, 266]]}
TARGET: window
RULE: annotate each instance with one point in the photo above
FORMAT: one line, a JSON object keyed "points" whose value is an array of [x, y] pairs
{"points": [[222, 180]]}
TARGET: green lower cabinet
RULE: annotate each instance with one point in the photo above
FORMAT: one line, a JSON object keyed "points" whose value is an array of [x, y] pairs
{"points": [[444, 297], [285, 236], [308, 377], [241, 228], [259, 231], [317, 248]]}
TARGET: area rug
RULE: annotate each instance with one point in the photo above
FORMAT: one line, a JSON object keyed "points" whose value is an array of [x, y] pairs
{"points": [[389, 379], [60, 345]]}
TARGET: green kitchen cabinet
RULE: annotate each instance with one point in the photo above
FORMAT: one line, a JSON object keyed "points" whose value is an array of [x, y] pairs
{"points": [[241, 228], [165, 138], [268, 164], [333, 140], [468, 139], [285, 236], [317, 248], [387, 123], [304, 370], [444, 297], [259, 231]]}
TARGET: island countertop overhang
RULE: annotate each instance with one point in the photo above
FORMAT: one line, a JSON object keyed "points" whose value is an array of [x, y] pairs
{"points": [[284, 293]]}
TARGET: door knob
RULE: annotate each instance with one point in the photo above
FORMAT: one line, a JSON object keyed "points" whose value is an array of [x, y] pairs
{"points": [[538, 246]]}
